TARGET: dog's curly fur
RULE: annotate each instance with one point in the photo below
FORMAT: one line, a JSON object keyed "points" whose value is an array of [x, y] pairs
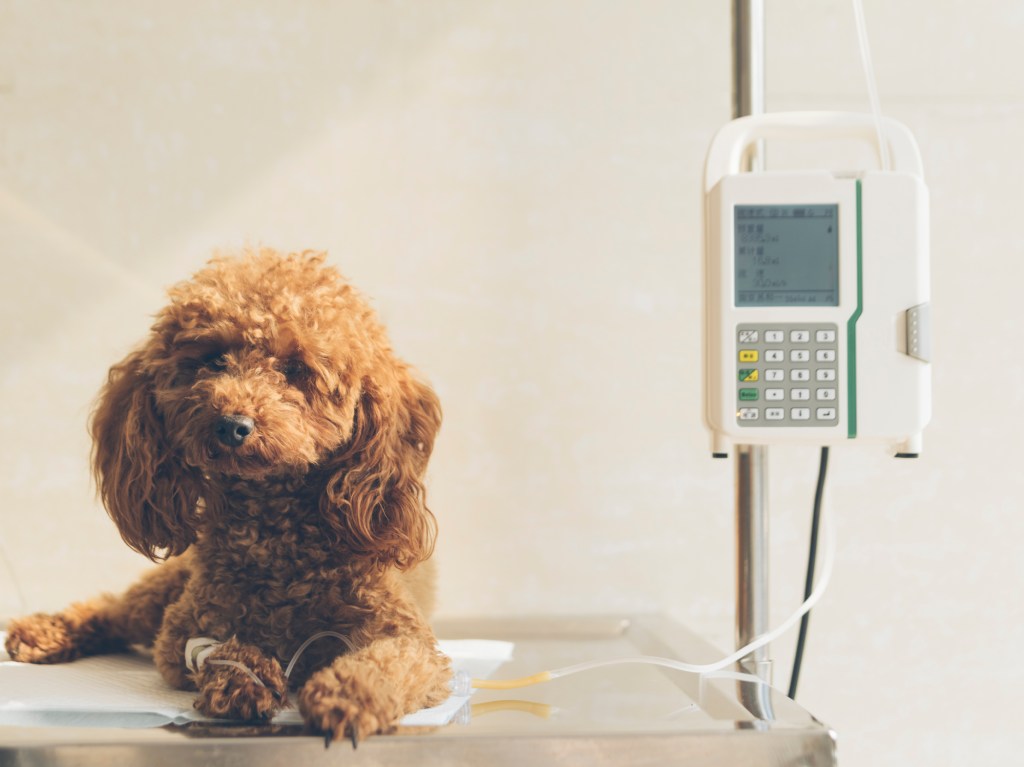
{"points": [[312, 517]]}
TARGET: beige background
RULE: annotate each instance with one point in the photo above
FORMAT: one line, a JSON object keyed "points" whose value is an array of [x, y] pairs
{"points": [[517, 186]]}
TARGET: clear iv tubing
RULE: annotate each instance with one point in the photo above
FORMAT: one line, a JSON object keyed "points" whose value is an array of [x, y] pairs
{"points": [[692, 668], [869, 76], [298, 653], [291, 664], [462, 684]]}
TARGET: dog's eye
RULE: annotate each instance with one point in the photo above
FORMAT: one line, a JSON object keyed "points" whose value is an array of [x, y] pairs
{"points": [[293, 369]]}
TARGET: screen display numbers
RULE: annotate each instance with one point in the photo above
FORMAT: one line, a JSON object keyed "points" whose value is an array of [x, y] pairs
{"points": [[786, 255]]}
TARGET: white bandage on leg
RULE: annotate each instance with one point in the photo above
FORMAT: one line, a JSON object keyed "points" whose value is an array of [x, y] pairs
{"points": [[197, 649]]}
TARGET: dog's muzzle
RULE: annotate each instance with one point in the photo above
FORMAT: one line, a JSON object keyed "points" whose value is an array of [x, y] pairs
{"points": [[233, 430]]}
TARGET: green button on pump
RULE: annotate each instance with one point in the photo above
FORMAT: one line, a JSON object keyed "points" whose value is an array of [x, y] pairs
{"points": [[748, 395]]}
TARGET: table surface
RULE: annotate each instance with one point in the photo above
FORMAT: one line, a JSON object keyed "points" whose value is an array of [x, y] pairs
{"points": [[628, 714]]}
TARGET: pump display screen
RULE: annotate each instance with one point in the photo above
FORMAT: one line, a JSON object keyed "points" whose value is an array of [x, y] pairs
{"points": [[786, 255]]}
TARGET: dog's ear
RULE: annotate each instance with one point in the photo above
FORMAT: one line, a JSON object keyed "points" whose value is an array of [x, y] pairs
{"points": [[151, 497], [374, 498]]}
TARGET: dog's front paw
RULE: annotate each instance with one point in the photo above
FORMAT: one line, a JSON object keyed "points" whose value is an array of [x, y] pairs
{"points": [[340, 719], [41, 638], [340, 710], [230, 691]]}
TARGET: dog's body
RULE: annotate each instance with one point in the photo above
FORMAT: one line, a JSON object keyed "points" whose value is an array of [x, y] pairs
{"points": [[269, 443]]}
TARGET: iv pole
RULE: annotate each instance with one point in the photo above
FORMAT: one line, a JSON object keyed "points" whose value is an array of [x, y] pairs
{"points": [[751, 461]]}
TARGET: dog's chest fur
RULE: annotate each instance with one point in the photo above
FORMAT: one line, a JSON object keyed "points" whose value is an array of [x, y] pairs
{"points": [[272, 574]]}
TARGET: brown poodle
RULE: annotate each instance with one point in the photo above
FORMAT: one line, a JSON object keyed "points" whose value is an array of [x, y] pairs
{"points": [[268, 444]]}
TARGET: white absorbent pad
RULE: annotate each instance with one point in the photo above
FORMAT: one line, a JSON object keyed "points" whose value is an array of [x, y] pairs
{"points": [[127, 691]]}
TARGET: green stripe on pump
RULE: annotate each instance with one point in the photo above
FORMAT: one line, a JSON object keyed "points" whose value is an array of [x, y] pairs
{"points": [[851, 329]]}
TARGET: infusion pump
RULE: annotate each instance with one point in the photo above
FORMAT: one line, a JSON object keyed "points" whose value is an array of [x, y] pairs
{"points": [[817, 321]]}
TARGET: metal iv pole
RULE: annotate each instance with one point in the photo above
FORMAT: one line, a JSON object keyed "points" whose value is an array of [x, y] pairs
{"points": [[751, 461]]}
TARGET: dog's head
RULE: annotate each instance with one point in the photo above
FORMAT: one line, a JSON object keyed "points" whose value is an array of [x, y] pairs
{"points": [[265, 367]]}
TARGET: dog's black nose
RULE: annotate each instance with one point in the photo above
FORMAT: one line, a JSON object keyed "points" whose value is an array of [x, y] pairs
{"points": [[233, 430]]}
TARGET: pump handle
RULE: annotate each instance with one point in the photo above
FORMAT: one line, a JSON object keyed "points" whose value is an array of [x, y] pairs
{"points": [[725, 156]]}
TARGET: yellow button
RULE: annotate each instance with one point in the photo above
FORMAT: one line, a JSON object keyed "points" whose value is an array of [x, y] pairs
{"points": [[748, 355]]}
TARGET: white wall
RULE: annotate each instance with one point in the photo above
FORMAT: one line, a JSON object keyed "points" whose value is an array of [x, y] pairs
{"points": [[517, 185]]}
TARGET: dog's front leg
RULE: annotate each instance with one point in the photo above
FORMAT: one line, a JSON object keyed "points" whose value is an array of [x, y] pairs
{"points": [[234, 680], [105, 624], [370, 690], [238, 681]]}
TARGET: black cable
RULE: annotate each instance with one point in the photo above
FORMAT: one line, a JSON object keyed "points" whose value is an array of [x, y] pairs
{"points": [[812, 557]]}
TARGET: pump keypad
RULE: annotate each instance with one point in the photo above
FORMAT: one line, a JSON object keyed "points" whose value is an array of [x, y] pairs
{"points": [[787, 374]]}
